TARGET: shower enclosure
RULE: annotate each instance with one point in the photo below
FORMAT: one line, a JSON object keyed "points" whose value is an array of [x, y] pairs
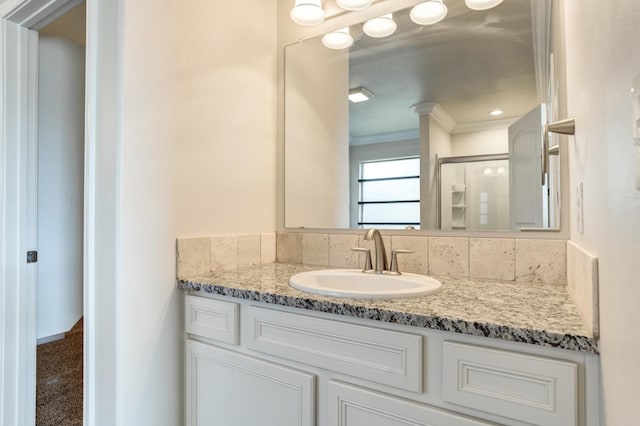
{"points": [[473, 192]]}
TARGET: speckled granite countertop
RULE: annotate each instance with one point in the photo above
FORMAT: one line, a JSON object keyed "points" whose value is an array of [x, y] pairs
{"points": [[538, 314]]}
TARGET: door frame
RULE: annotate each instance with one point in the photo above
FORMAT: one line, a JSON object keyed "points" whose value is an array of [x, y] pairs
{"points": [[19, 22]]}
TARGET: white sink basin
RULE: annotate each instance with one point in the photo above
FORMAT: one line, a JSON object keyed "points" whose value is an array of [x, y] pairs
{"points": [[353, 283]]}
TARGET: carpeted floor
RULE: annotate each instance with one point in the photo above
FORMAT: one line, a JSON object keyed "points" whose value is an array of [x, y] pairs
{"points": [[59, 380]]}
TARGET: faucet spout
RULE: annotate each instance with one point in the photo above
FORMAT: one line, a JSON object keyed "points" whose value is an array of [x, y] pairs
{"points": [[381, 254]]}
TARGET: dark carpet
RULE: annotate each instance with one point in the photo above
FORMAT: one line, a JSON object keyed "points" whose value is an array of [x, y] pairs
{"points": [[59, 380]]}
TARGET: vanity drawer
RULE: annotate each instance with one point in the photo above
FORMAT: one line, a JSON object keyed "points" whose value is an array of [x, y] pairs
{"points": [[213, 319], [376, 355], [528, 388]]}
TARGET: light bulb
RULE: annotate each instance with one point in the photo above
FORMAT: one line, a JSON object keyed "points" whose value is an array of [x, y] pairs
{"points": [[307, 12], [339, 39], [429, 12], [354, 4], [482, 4], [382, 26]]}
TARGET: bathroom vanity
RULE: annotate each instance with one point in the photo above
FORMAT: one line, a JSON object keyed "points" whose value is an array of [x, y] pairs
{"points": [[477, 352]]}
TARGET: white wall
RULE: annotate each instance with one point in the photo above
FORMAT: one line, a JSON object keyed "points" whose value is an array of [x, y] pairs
{"points": [[481, 142], [602, 59], [60, 185], [197, 156], [221, 92], [316, 136]]}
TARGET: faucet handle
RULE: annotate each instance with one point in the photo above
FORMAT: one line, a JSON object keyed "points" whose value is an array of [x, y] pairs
{"points": [[394, 260], [368, 266]]}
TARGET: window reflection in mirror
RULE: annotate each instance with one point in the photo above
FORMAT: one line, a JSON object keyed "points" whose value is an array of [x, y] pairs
{"points": [[389, 193]]}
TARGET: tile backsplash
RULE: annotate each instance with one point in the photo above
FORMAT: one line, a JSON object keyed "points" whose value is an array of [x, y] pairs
{"points": [[582, 283], [509, 259], [200, 255]]}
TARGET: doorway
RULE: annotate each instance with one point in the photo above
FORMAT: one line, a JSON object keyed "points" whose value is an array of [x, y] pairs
{"points": [[60, 201], [19, 21]]}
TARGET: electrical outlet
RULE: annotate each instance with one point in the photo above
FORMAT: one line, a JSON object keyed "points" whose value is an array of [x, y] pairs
{"points": [[638, 168], [580, 208]]}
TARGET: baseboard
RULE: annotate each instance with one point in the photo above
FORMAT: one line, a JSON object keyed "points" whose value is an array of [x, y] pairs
{"points": [[49, 339]]}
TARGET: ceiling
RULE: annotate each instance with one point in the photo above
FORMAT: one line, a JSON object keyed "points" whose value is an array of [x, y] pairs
{"points": [[470, 63], [70, 26]]}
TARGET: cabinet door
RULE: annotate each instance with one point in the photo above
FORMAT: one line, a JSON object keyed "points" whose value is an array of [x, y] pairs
{"points": [[353, 406], [225, 388]]}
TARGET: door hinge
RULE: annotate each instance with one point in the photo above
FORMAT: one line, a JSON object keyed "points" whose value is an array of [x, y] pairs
{"points": [[32, 256]]}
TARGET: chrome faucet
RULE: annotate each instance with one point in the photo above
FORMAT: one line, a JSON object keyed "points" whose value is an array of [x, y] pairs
{"points": [[381, 254]]}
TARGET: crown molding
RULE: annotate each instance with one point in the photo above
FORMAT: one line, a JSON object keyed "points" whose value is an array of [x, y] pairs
{"points": [[401, 135], [443, 118], [437, 112], [484, 125]]}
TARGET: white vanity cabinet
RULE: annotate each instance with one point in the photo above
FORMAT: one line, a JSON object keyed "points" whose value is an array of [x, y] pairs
{"points": [[251, 363], [353, 406], [227, 388]]}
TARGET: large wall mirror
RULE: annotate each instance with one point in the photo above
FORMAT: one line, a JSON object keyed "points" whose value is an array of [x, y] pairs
{"points": [[450, 137]]}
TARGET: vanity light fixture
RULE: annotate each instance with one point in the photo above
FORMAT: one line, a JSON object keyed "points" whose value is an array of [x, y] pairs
{"points": [[339, 39], [428, 13], [307, 12], [359, 94], [482, 4], [379, 27], [354, 4], [496, 112]]}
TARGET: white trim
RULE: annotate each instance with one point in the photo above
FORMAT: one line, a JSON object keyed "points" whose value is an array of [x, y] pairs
{"points": [[49, 339], [17, 387], [443, 118], [484, 125], [424, 107], [400, 135], [541, 29], [29, 289], [3, 226], [7, 6], [35, 14], [102, 204], [437, 112]]}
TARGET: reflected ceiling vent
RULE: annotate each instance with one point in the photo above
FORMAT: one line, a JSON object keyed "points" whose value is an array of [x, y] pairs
{"points": [[359, 94]]}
